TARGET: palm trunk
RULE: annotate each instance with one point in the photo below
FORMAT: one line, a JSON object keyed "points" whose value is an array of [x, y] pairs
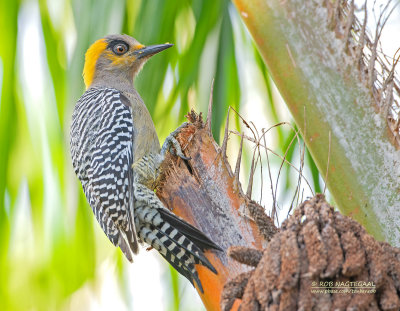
{"points": [[315, 53]]}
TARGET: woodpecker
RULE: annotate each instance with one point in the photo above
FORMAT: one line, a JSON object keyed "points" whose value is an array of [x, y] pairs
{"points": [[116, 155]]}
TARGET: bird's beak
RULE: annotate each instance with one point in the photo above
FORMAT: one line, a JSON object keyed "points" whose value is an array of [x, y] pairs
{"points": [[151, 50]]}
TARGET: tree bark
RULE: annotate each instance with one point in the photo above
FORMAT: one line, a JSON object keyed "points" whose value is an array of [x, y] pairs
{"points": [[205, 192], [320, 260]]}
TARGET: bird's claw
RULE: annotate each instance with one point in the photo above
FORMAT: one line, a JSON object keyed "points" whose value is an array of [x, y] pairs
{"points": [[183, 157], [173, 146]]}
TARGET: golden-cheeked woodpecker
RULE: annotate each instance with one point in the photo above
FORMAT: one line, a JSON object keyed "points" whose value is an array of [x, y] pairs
{"points": [[116, 155]]}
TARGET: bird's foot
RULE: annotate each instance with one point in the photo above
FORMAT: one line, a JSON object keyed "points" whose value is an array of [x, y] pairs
{"points": [[146, 169], [172, 145]]}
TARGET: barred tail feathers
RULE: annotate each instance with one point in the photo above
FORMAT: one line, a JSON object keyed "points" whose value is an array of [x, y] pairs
{"points": [[148, 198], [170, 234], [174, 254], [177, 248], [191, 232], [180, 243]]}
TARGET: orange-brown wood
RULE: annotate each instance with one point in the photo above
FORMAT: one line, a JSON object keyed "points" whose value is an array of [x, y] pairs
{"points": [[204, 193]]}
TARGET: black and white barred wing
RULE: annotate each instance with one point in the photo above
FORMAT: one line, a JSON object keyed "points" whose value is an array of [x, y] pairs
{"points": [[108, 182]]}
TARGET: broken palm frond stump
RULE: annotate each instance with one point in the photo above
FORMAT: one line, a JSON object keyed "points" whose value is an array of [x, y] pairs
{"points": [[320, 260], [206, 193]]}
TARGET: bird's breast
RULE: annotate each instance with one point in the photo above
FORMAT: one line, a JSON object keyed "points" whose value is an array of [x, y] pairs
{"points": [[145, 139]]}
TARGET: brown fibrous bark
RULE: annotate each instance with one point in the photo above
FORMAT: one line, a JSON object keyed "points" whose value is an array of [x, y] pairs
{"points": [[320, 260]]}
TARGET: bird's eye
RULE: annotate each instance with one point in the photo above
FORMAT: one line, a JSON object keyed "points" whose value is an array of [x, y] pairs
{"points": [[120, 48]]}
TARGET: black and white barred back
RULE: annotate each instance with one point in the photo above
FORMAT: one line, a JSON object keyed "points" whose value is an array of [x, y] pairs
{"points": [[101, 147]]}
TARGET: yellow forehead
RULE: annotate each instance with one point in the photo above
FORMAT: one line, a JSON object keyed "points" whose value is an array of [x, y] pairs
{"points": [[91, 56]]}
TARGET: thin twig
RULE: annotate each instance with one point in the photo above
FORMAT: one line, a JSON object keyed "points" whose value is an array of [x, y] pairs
{"points": [[274, 153], [360, 46], [270, 177], [226, 136], [238, 160], [350, 19]]}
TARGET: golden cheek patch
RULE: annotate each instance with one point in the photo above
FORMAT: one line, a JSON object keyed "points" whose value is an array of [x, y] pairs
{"points": [[119, 60], [91, 57]]}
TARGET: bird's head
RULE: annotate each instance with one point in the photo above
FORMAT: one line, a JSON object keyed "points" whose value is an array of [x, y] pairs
{"points": [[117, 58]]}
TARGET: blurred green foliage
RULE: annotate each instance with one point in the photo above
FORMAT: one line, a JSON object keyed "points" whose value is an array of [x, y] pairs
{"points": [[54, 252]]}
